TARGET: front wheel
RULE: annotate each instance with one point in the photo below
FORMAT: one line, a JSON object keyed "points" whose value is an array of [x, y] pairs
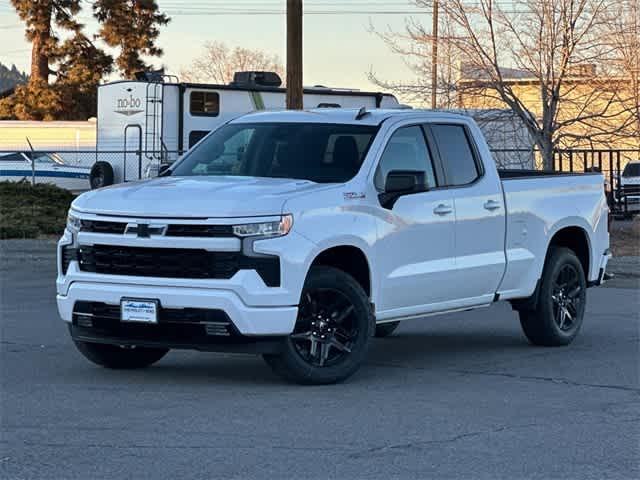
{"points": [[113, 356], [557, 316], [332, 333]]}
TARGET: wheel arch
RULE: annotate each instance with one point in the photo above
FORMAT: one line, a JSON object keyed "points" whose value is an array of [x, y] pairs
{"points": [[576, 239], [350, 259]]}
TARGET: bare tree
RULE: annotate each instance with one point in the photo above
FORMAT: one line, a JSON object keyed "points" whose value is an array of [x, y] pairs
{"points": [[414, 44], [625, 39], [218, 63], [501, 52]]}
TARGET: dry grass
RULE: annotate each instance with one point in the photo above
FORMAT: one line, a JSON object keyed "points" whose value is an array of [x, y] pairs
{"points": [[625, 237]]}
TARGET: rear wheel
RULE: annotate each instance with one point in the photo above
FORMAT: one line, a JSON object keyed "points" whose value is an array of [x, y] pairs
{"points": [[558, 313], [113, 356], [332, 332]]}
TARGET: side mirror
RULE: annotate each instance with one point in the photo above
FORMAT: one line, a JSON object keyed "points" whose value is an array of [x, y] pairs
{"points": [[164, 170], [404, 181], [399, 182]]}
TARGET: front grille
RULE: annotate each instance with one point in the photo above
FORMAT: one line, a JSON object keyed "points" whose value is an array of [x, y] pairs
{"points": [[175, 263], [173, 230], [99, 226], [177, 230], [631, 189]]}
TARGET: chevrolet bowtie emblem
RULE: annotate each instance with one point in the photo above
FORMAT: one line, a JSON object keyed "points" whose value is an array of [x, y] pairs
{"points": [[145, 230]]}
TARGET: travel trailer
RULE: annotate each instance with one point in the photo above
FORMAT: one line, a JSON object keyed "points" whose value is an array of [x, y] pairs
{"points": [[150, 121]]}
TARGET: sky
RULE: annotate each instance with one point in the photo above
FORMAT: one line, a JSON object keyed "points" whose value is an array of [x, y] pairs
{"points": [[339, 49]]}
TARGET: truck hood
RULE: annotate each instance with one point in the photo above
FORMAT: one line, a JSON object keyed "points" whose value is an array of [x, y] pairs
{"points": [[194, 197]]}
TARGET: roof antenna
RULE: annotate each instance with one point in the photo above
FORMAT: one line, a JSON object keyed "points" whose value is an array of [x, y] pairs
{"points": [[361, 113]]}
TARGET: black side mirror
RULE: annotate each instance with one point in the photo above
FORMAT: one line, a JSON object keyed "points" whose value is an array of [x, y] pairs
{"points": [[404, 181], [164, 170], [401, 182]]}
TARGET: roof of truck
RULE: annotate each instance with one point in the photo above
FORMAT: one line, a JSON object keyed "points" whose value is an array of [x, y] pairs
{"points": [[373, 116]]}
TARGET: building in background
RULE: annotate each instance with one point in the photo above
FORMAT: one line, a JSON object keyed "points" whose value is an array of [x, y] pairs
{"points": [[55, 136], [584, 92]]}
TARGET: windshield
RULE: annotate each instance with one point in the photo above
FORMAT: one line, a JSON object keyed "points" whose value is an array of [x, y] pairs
{"points": [[631, 170], [323, 153], [47, 158]]}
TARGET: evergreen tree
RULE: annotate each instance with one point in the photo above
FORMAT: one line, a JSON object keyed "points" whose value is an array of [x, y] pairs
{"points": [[76, 63], [80, 68], [132, 26], [41, 18]]}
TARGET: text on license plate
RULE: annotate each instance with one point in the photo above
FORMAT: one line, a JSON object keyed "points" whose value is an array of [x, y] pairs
{"points": [[135, 310]]}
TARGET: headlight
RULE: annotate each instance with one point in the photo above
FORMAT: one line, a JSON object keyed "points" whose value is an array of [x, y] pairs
{"points": [[73, 223], [276, 228]]}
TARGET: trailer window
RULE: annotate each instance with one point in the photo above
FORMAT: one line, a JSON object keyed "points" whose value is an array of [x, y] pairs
{"points": [[196, 135], [204, 103]]}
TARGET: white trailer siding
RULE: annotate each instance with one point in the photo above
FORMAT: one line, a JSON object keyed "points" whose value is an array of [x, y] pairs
{"points": [[154, 122]]}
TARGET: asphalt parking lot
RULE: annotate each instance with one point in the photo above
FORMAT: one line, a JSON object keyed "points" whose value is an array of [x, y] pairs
{"points": [[456, 396]]}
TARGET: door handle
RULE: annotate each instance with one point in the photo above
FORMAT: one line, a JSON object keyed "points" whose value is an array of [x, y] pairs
{"points": [[491, 205], [442, 209]]}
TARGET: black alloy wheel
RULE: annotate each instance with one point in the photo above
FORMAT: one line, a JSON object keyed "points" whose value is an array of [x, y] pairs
{"points": [[332, 333]]}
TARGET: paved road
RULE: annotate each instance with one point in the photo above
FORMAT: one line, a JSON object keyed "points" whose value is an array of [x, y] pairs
{"points": [[458, 396]]}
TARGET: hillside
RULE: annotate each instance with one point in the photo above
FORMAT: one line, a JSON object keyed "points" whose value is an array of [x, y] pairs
{"points": [[10, 77]]}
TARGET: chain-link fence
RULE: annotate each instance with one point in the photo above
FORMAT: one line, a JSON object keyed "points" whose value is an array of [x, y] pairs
{"points": [[72, 167]]}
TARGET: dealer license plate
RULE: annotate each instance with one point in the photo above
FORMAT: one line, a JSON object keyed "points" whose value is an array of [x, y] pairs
{"points": [[138, 310]]}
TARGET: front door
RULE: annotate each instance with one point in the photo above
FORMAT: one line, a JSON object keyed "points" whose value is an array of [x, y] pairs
{"points": [[415, 247]]}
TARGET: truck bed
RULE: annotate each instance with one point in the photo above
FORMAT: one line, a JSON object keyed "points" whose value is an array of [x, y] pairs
{"points": [[539, 203]]}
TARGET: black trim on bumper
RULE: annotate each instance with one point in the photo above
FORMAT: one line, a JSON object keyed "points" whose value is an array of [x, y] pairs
{"points": [[256, 345], [189, 328]]}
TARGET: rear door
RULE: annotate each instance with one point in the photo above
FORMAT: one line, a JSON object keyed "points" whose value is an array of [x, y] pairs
{"points": [[480, 213]]}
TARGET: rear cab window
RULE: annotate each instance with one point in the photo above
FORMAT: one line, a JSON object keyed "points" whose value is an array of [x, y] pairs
{"points": [[459, 161]]}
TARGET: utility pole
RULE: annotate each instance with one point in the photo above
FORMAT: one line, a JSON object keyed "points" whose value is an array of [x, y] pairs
{"points": [[294, 54], [434, 54]]}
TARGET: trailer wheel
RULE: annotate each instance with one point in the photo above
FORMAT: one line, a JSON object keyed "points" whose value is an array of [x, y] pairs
{"points": [[101, 175]]}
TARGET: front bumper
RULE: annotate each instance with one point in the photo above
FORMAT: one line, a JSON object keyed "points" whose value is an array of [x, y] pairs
{"points": [[251, 321], [253, 308]]}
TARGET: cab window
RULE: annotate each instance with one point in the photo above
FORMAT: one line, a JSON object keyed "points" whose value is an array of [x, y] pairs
{"points": [[406, 150], [456, 154]]}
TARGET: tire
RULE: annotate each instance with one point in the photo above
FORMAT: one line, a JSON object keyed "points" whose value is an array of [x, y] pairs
{"points": [[335, 315], [386, 329], [557, 315], [113, 356], [101, 175]]}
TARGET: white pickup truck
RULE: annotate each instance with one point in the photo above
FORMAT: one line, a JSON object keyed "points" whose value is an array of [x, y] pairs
{"points": [[301, 235]]}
